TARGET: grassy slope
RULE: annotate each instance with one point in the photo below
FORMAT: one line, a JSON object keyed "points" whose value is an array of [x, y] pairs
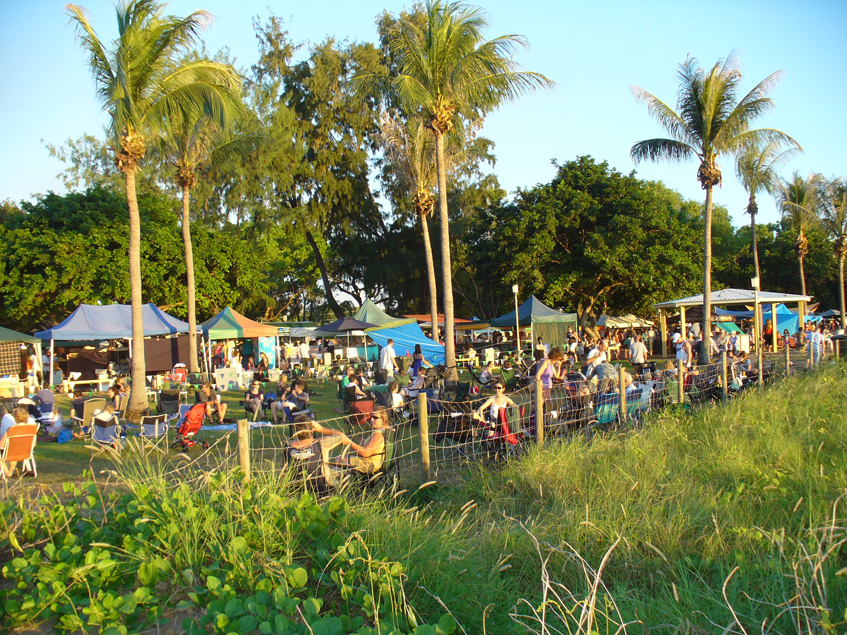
{"points": [[691, 498]]}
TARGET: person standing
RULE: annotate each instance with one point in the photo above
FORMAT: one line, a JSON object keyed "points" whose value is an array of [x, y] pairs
{"points": [[386, 359], [637, 354]]}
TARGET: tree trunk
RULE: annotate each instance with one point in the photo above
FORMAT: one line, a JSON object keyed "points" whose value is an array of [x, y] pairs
{"points": [[333, 305], [446, 266], [706, 326], [802, 276], [841, 290], [755, 244], [138, 394], [430, 271], [193, 366]]}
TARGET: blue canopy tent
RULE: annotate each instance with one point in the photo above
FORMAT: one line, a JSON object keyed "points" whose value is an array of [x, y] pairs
{"points": [[785, 317], [406, 334], [110, 322]]}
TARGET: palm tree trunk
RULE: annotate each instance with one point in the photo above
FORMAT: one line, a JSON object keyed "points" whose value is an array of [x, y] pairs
{"points": [[189, 274], [138, 394], [802, 276], [446, 266], [755, 244], [706, 326], [330, 299], [841, 290], [430, 271]]}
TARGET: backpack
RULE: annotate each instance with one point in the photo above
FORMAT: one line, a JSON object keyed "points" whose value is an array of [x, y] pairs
{"points": [[65, 436]]}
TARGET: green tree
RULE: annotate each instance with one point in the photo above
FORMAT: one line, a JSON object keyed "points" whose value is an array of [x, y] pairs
{"points": [[755, 167], [709, 121], [450, 74], [592, 240], [798, 203], [139, 85], [833, 217]]}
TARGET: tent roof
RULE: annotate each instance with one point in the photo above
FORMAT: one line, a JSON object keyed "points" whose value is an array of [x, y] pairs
{"points": [[112, 322], [8, 335], [230, 324], [733, 296], [622, 322], [534, 311], [425, 319], [344, 325], [407, 333], [370, 312]]}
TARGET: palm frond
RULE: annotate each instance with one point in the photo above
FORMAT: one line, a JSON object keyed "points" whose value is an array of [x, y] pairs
{"points": [[664, 115], [661, 150]]}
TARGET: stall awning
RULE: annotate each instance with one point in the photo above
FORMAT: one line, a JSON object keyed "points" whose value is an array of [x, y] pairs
{"points": [[112, 322], [230, 324]]}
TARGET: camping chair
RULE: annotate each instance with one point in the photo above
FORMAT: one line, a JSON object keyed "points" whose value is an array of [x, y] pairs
{"points": [[455, 435], [91, 405], [123, 403], [153, 431], [508, 378], [169, 402], [106, 432], [360, 414], [606, 413], [19, 447]]}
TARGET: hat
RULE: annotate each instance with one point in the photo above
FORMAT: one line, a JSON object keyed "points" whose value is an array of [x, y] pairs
{"points": [[593, 353], [676, 337]]}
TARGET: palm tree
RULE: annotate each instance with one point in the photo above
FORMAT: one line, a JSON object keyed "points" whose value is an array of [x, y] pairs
{"points": [[449, 74], [140, 85], [798, 203], [194, 140], [755, 167], [410, 150], [709, 121], [833, 215]]}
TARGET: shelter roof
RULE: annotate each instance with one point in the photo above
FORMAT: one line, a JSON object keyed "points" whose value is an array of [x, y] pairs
{"points": [[733, 296], [230, 324], [112, 322]]}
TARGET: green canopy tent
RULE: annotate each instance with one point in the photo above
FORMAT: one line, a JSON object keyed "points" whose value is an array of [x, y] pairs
{"points": [[370, 312], [548, 324]]}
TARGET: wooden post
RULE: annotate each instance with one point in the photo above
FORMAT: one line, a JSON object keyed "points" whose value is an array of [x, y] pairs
{"points": [[680, 390], [539, 413], [244, 447], [663, 325], [622, 396], [760, 379], [724, 377], [787, 361], [775, 338], [423, 431], [682, 325]]}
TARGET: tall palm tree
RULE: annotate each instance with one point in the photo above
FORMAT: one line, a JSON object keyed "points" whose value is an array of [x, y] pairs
{"points": [[140, 84], [450, 74], [833, 215], [709, 121], [195, 140], [798, 202], [412, 153], [756, 167]]}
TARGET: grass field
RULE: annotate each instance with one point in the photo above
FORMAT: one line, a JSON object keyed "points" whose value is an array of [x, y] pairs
{"points": [[730, 520]]}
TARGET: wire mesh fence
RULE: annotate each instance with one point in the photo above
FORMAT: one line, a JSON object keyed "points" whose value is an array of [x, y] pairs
{"points": [[441, 429]]}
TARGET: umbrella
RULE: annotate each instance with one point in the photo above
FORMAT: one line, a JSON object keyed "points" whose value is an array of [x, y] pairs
{"points": [[346, 324]]}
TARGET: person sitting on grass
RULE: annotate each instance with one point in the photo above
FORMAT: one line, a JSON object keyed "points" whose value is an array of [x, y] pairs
{"points": [[207, 395], [19, 416]]}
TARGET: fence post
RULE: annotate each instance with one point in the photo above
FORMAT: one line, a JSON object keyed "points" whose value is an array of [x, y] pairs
{"points": [[423, 431], [622, 395], [680, 390], [760, 376], [539, 413], [244, 447], [724, 384], [787, 361]]}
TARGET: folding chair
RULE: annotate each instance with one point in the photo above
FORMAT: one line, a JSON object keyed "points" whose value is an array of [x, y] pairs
{"points": [[455, 435], [91, 405], [169, 403], [19, 446], [106, 432], [154, 430], [360, 414]]}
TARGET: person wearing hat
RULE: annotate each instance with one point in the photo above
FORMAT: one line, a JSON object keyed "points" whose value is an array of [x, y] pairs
{"points": [[593, 360]]}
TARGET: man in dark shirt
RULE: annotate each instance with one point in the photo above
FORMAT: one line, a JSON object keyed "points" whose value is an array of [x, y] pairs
{"points": [[208, 396]]}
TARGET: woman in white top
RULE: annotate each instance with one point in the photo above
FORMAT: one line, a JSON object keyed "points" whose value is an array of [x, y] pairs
{"points": [[495, 404]]}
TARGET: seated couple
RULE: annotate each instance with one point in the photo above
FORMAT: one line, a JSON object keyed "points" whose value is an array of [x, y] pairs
{"points": [[310, 454], [292, 401]]}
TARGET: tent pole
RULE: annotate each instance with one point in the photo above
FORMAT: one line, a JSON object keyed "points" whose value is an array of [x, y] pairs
{"points": [[663, 325], [775, 338], [129, 345], [52, 355], [276, 352]]}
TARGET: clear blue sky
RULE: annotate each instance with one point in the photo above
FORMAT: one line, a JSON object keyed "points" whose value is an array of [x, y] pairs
{"points": [[594, 50]]}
